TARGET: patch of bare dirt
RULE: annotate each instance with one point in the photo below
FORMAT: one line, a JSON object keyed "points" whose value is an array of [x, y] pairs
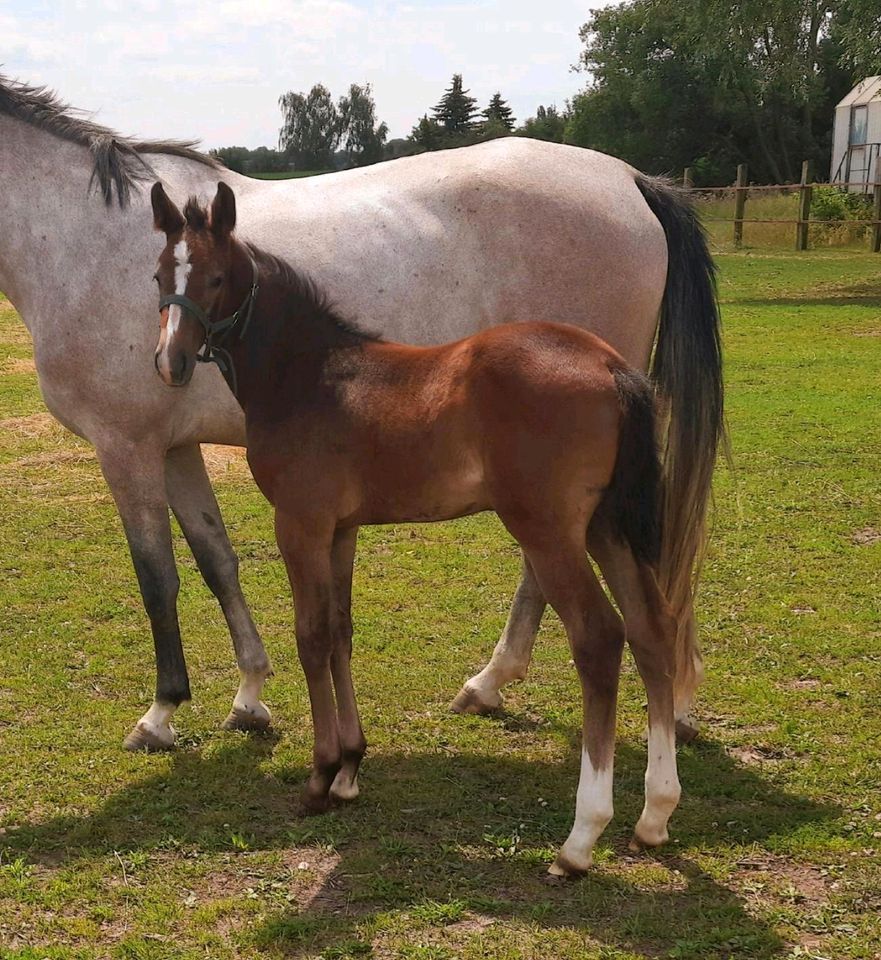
{"points": [[807, 683], [767, 877], [223, 462], [866, 536], [757, 754], [33, 426], [18, 365], [304, 879]]}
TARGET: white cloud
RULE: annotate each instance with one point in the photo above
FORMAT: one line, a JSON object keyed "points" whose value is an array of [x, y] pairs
{"points": [[215, 68]]}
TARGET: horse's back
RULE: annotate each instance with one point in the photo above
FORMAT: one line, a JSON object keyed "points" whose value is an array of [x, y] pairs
{"points": [[443, 244]]}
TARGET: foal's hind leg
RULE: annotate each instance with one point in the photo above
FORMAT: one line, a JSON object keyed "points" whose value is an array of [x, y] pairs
{"points": [[510, 659], [596, 637], [352, 742], [651, 634]]}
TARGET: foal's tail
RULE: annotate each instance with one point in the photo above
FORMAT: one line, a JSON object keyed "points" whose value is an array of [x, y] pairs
{"points": [[633, 500], [687, 372]]}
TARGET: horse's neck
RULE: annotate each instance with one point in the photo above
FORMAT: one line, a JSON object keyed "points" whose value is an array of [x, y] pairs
{"points": [[65, 256], [288, 345]]}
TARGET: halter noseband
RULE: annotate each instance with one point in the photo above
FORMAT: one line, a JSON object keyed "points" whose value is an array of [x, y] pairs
{"points": [[213, 352]]}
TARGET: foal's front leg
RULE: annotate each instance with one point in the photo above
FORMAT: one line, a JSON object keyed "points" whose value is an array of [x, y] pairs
{"points": [[307, 556], [352, 742]]}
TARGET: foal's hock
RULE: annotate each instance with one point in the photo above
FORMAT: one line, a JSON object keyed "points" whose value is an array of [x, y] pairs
{"points": [[543, 423]]}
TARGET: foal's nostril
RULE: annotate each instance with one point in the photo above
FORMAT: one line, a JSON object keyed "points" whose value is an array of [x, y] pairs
{"points": [[182, 368]]}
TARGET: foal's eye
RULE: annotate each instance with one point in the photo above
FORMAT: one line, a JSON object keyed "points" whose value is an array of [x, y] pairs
{"points": [[216, 282], [156, 277]]}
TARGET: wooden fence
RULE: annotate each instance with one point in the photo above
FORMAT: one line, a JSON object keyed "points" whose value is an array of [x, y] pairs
{"points": [[742, 189]]}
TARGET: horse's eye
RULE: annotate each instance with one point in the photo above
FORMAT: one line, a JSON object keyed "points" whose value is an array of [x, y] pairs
{"points": [[156, 277], [216, 282]]}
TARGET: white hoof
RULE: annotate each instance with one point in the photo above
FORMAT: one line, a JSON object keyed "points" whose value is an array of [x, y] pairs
{"points": [[150, 738], [565, 866], [343, 788], [471, 700], [252, 718]]}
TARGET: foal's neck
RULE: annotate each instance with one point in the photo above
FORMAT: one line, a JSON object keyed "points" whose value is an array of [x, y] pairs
{"points": [[293, 335]]}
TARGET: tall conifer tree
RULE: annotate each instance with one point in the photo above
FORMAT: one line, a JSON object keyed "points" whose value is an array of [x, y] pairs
{"points": [[456, 110], [499, 111]]}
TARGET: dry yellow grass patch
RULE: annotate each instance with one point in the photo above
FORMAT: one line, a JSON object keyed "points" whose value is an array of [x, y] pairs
{"points": [[225, 463]]}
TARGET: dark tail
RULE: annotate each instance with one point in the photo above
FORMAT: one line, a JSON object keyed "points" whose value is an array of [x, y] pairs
{"points": [[687, 372], [633, 500]]}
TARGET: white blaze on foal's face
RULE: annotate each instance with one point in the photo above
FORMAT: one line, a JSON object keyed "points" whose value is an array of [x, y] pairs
{"points": [[182, 268]]}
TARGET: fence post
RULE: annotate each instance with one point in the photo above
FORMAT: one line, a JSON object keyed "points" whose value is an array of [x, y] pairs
{"points": [[804, 207], [740, 192], [876, 216], [687, 178]]}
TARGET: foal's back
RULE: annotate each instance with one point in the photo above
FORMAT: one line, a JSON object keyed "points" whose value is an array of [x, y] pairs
{"points": [[517, 414]]}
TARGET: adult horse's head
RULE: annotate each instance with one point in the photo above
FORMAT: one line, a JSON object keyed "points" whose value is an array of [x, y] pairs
{"points": [[194, 278]]}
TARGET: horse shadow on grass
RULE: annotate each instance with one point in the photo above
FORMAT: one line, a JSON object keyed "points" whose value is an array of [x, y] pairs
{"points": [[474, 832]]}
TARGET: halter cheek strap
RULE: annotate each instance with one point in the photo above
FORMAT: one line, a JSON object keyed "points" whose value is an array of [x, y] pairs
{"points": [[212, 351]]}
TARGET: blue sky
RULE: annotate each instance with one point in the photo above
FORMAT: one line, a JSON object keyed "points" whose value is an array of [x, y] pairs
{"points": [[214, 69]]}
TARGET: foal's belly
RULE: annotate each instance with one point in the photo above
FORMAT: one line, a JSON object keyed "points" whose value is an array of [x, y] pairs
{"points": [[420, 493]]}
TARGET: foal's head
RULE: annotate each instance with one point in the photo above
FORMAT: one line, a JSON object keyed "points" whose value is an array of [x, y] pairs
{"points": [[196, 265]]}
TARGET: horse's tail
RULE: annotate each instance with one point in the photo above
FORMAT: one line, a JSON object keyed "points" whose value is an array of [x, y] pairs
{"points": [[633, 500], [687, 372]]}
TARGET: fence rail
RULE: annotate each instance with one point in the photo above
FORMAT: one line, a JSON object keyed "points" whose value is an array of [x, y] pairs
{"points": [[741, 189]]}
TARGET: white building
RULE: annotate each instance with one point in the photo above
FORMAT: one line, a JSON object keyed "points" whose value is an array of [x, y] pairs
{"points": [[856, 137]]}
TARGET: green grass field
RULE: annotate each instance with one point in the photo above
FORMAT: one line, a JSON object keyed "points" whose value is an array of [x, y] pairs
{"points": [[775, 850]]}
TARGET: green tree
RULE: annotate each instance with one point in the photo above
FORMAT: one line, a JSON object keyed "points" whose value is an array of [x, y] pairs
{"points": [[456, 110], [499, 112], [363, 138], [311, 128], [428, 134], [710, 83], [547, 124], [233, 158]]}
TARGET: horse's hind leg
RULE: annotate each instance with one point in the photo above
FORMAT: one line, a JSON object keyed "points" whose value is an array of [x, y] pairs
{"points": [[352, 742], [651, 634], [596, 636], [134, 473], [194, 505], [510, 659]]}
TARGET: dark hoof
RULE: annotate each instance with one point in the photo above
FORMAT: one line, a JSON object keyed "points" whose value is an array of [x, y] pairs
{"points": [[247, 721], [143, 739], [315, 803], [467, 701], [686, 731]]}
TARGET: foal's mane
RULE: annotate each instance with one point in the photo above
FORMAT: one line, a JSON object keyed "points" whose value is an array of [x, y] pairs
{"points": [[309, 297], [119, 163]]}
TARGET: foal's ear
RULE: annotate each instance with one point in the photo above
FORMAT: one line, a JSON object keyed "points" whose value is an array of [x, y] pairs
{"points": [[166, 216], [223, 210]]}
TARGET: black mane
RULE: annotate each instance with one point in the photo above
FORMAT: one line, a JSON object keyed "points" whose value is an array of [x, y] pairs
{"points": [[309, 297], [118, 162]]}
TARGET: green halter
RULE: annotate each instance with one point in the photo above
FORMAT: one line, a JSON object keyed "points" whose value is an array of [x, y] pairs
{"points": [[212, 351]]}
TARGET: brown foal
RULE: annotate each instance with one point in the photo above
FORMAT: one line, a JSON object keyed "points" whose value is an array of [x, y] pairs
{"points": [[543, 423]]}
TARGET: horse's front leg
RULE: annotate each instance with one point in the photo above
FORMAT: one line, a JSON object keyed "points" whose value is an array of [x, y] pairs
{"points": [[135, 475], [307, 557], [510, 659], [194, 505]]}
